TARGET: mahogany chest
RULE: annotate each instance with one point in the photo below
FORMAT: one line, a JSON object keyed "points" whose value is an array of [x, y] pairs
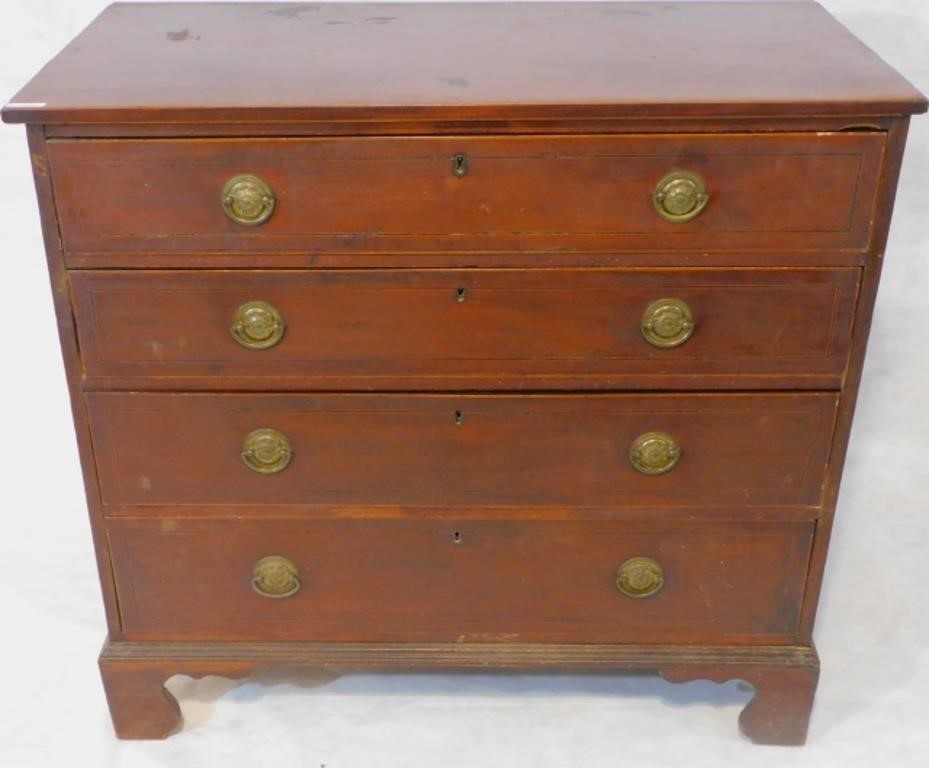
{"points": [[454, 336]]}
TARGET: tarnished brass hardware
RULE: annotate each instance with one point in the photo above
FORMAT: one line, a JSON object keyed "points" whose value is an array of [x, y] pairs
{"points": [[257, 325], [459, 418], [248, 200], [266, 451], [460, 165], [275, 576], [680, 196], [667, 323], [461, 294], [654, 453], [640, 577]]}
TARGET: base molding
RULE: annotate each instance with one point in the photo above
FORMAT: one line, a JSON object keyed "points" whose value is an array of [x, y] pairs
{"points": [[784, 677]]}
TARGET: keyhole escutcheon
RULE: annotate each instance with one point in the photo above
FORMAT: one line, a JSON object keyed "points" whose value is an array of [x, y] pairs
{"points": [[460, 165]]}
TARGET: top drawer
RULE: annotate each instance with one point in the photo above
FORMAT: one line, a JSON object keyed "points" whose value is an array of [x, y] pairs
{"points": [[475, 194]]}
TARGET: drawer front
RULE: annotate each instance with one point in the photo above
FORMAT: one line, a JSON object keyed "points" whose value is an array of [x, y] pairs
{"points": [[762, 192], [460, 329], [456, 450], [477, 580]]}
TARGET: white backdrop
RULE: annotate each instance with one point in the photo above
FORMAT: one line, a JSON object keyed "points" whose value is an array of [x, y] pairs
{"points": [[873, 626]]}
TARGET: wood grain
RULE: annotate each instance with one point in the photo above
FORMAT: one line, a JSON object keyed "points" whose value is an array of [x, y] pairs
{"points": [[784, 677], [254, 62], [779, 713], [591, 257], [70, 352], [409, 450], [780, 191], [467, 329], [440, 581], [602, 124], [871, 275], [475, 516]]}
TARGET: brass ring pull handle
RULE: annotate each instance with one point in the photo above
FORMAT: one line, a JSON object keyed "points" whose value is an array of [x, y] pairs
{"points": [[680, 196], [667, 323], [654, 453], [266, 451], [276, 577], [640, 577], [257, 325], [248, 200]]}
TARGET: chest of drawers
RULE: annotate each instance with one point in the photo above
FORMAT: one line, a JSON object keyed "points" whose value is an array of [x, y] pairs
{"points": [[500, 336]]}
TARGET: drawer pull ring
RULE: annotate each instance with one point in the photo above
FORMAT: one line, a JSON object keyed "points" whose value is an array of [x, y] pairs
{"points": [[640, 577], [275, 576], [266, 451], [680, 196], [257, 325], [654, 453], [248, 200], [667, 323]]}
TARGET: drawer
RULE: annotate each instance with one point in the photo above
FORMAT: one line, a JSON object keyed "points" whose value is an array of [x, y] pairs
{"points": [[461, 329], [444, 581], [461, 450], [314, 195]]}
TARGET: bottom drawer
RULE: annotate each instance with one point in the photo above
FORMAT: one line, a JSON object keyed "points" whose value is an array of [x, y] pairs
{"points": [[394, 580]]}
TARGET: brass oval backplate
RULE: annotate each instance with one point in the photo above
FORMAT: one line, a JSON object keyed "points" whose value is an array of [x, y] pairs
{"points": [[680, 196], [640, 577], [248, 200], [257, 325], [654, 453], [275, 576], [667, 323], [266, 451]]}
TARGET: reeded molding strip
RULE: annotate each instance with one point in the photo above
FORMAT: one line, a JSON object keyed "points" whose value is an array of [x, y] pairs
{"points": [[459, 655]]}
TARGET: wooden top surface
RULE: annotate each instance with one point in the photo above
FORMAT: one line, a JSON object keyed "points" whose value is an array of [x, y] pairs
{"points": [[229, 62]]}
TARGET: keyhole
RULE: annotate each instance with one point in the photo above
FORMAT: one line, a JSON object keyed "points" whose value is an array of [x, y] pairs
{"points": [[460, 295], [456, 537], [460, 165], [459, 418]]}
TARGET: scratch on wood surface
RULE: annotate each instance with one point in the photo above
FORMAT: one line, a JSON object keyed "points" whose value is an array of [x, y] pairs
{"points": [[455, 82], [39, 164], [293, 11]]}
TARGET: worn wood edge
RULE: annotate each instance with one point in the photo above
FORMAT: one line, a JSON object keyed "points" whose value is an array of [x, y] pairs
{"points": [[475, 113], [452, 655], [71, 355], [586, 124], [867, 296], [784, 678], [469, 384], [779, 712], [755, 513], [603, 237], [414, 260]]}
